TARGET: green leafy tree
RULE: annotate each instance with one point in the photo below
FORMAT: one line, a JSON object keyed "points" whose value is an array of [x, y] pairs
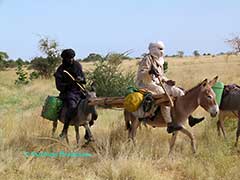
{"points": [[22, 75], [3, 60], [180, 54], [20, 61], [196, 53], [93, 57], [45, 66]]}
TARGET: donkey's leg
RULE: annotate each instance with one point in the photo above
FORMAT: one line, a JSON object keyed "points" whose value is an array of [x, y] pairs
{"points": [[218, 124], [133, 130], [221, 123], [88, 131], [77, 134], [86, 136], [172, 141], [190, 135], [67, 139], [54, 127], [218, 128], [238, 129]]}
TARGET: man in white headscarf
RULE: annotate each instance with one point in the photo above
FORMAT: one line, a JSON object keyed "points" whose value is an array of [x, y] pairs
{"points": [[150, 70]]}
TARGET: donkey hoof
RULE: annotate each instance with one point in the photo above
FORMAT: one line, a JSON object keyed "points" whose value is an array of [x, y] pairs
{"points": [[90, 140], [62, 136]]}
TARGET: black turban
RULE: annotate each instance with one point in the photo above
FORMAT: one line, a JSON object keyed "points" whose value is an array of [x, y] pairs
{"points": [[68, 54]]}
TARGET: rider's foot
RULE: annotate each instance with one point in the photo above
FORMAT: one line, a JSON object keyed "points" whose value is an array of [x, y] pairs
{"points": [[193, 121], [171, 127]]}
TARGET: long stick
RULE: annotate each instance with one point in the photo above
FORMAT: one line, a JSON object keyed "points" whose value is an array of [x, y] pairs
{"points": [[170, 99], [81, 87]]}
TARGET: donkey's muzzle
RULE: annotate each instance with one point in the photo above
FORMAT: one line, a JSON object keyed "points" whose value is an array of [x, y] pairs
{"points": [[214, 110]]}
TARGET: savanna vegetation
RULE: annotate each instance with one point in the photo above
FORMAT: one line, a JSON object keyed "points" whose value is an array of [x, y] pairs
{"points": [[23, 130]]}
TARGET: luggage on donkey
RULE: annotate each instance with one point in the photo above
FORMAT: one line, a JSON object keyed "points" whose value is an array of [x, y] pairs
{"points": [[51, 108], [140, 102]]}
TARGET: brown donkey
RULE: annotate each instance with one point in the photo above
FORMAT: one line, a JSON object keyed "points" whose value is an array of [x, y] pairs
{"points": [[201, 95]]}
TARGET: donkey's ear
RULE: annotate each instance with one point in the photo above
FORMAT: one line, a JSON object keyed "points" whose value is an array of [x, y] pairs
{"points": [[204, 82], [213, 81], [93, 87]]}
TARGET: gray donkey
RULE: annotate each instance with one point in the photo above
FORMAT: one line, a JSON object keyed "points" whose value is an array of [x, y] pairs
{"points": [[229, 107], [85, 116]]}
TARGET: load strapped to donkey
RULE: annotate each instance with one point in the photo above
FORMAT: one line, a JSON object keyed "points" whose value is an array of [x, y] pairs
{"points": [[136, 99]]}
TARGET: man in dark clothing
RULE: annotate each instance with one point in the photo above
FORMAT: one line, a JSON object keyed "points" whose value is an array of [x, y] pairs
{"points": [[70, 92]]}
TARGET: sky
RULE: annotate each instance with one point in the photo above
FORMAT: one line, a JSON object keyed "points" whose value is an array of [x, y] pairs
{"points": [[103, 26]]}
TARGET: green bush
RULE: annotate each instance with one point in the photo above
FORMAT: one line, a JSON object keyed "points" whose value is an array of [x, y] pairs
{"points": [[109, 80], [34, 75], [22, 75], [165, 66], [45, 67]]}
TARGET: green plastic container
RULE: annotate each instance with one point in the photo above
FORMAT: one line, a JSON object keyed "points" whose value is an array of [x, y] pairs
{"points": [[51, 108], [218, 90], [131, 89]]}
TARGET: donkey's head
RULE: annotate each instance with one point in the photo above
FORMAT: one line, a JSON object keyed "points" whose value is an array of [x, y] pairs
{"points": [[92, 92], [90, 109], [207, 97]]}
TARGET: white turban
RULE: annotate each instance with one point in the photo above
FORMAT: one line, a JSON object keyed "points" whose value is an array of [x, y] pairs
{"points": [[156, 49]]}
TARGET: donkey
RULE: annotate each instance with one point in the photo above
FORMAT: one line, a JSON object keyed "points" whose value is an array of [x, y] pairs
{"points": [[85, 116], [229, 108], [200, 95]]}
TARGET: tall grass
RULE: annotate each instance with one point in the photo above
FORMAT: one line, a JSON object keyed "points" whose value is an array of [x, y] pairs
{"points": [[22, 129]]}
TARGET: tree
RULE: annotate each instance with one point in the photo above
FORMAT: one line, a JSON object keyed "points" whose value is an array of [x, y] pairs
{"points": [[234, 42], [3, 55], [3, 60], [20, 61], [22, 75], [180, 54], [45, 66], [196, 53], [93, 57]]}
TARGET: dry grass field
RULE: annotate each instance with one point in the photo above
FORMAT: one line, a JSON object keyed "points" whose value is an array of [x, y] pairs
{"points": [[23, 130]]}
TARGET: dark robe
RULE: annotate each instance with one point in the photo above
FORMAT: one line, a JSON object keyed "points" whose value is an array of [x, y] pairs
{"points": [[70, 92]]}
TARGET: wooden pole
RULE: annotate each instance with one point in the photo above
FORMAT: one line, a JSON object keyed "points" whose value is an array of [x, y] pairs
{"points": [[170, 99], [119, 101]]}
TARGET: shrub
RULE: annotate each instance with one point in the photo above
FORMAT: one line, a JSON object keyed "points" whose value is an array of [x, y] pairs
{"points": [[165, 66], [109, 80], [34, 75], [45, 66], [22, 75]]}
